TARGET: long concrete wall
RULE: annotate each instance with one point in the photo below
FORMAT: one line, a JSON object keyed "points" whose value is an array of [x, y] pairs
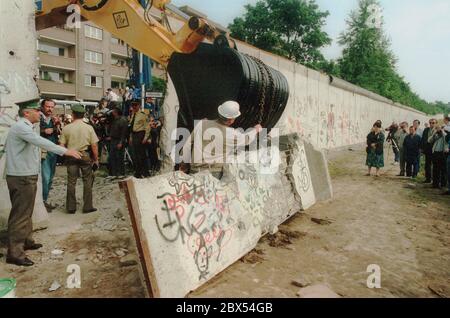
{"points": [[327, 112], [190, 228]]}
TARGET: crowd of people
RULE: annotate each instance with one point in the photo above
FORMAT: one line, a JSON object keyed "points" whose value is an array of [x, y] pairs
{"points": [[410, 144], [116, 136], [82, 138]]}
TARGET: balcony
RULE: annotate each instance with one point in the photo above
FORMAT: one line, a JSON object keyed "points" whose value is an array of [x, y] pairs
{"points": [[56, 62], [55, 88], [120, 50], [119, 72], [58, 35]]}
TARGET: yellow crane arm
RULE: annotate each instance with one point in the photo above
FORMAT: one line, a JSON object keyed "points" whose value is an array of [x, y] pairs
{"points": [[128, 21]]}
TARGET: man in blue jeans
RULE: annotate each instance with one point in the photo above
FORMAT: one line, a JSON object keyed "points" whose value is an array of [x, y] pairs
{"points": [[50, 126]]}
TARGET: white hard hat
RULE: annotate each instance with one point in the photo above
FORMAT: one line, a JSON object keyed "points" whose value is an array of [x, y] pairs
{"points": [[229, 110]]}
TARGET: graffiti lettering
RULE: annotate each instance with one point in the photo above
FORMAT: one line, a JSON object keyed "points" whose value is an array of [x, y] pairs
{"points": [[197, 214]]}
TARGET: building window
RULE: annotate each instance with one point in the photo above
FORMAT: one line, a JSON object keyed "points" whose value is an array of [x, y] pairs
{"points": [[93, 81], [93, 57], [51, 49], [117, 41], [118, 85], [93, 32], [52, 76], [118, 62]]}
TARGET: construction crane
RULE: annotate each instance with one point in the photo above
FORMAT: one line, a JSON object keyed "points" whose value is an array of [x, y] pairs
{"points": [[203, 63]]}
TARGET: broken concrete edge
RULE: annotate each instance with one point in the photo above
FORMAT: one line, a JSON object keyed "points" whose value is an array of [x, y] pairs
{"points": [[317, 165], [146, 273], [320, 174]]}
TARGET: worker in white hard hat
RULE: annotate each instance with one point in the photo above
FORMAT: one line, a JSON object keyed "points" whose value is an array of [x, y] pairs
{"points": [[203, 157]]}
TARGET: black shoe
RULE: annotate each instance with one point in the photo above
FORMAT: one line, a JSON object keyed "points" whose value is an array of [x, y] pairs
{"points": [[71, 211], [138, 176], [49, 207], [19, 261], [436, 187], [400, 175], [32, 247], [446, 193], [427, 181], [90, 211]]}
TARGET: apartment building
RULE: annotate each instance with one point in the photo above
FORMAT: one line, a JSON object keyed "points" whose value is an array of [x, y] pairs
{"points": [[82, 63]]}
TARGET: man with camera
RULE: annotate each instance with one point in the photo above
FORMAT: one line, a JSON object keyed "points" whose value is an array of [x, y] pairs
{"points": [[427, 150], [440, 149], [81, 137], [390, 138]]}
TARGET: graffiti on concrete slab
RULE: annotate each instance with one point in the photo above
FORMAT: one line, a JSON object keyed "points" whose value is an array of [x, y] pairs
{"points": [[302, 177], [196, 213]]}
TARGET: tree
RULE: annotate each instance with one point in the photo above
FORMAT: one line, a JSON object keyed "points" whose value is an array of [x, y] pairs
{"points": [[289, 28], [367, 60]]}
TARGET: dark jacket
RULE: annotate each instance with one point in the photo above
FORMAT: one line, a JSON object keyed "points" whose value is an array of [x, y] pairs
{"points": [[411, 147], [426, 147], [373, 138], [43, 125], [119, 130]]}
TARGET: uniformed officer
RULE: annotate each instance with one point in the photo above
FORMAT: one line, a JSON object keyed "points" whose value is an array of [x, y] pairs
{"points": [[23, 162], [140, 134], [80, 136]]}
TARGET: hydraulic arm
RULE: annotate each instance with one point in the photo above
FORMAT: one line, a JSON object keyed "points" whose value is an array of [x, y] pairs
{"points": [[204, 75]]}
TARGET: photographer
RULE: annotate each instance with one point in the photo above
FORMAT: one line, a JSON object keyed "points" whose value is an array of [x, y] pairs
{"points": [[427, 150], [390, 138], [100, 124], [440, 147]]}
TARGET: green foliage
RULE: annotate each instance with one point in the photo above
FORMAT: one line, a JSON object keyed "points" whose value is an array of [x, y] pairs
{"points": [[293, 29], [367, 61], [159, 85], [289, 28]]}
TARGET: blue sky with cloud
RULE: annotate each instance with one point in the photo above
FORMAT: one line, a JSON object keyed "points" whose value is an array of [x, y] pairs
{"points": [[419, 31]]}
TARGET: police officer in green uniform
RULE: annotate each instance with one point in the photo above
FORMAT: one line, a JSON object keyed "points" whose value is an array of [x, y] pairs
{"points": [[140, 134], [81, 137], [23, 163]]}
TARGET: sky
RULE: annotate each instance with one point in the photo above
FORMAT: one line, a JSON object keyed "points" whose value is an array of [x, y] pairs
{"points": [[419, 31]]}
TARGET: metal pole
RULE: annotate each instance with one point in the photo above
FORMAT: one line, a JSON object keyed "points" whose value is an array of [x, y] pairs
{"points": [[141, 77]]}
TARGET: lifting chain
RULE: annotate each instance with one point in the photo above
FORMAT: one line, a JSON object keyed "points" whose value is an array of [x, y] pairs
{"points": [[266, 76]]}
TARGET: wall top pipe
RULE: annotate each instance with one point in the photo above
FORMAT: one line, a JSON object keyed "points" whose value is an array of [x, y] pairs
{"points": [[340, 83]]}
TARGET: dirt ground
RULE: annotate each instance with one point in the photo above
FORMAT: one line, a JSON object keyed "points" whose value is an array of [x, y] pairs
{"points": [[400, 225]]}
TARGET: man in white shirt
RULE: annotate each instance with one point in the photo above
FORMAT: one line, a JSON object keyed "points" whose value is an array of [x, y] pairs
{"points": [[203, 157], [112, 99]]}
